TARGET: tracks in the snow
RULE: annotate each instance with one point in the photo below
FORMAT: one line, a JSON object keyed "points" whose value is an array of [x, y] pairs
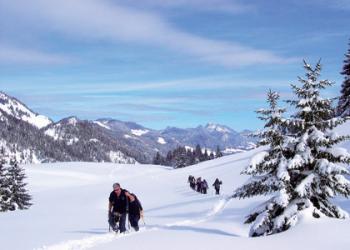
{"points": [[93, 241]]}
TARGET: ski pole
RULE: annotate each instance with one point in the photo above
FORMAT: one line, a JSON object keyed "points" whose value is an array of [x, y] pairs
{"points": [[128, 222], [143, 219], [109, 225]]}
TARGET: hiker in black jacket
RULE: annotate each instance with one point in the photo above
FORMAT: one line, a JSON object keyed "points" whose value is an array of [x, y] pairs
{"points": [[204, 187], [216, 185], [192, 181], [118, 207], [135, 211], [199, 184]]}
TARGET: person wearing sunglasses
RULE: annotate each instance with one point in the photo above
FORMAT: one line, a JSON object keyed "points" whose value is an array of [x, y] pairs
{"points": [[118, 208]]}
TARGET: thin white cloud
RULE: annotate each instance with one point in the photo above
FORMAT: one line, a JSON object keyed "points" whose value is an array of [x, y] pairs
{"points": [[14, 55], [337, 4], [343, 5], [225, 6], [103, 20], [104, 90]]}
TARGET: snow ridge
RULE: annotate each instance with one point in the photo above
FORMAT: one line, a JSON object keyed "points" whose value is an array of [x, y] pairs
{"points": [[15, 108]]}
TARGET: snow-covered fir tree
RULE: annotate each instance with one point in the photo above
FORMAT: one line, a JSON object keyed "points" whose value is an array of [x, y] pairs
{"points": [[268, 171], [19, 197], [309, 169], [4, 188], [318, 165], [343, 108]]}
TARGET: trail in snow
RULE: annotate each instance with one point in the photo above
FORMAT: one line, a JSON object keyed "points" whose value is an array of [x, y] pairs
{"points": [[93, 241], [219, 206]]}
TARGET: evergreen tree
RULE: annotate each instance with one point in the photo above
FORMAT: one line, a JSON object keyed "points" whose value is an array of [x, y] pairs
{"points": [[307, 171], [4, 188], [169, 158], [211, 156], [218, 152], [158, 159], [198, 153], [343, 108], [191, 160], [268, 171], [206, 156], [317, 172], [19, 197], [180, 157]]}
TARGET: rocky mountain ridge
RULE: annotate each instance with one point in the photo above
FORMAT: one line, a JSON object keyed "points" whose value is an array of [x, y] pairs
{"points": [[30, 137]]}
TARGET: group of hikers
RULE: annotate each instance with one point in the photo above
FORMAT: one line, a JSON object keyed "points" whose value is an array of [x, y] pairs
{"points": [[201, 186], [123, 203]]}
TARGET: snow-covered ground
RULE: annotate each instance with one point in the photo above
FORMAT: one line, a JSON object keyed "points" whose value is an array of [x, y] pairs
{"points": [[70, 211]]}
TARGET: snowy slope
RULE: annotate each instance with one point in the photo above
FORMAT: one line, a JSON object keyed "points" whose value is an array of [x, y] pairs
{"points": [[70, 211], [15, 108]]}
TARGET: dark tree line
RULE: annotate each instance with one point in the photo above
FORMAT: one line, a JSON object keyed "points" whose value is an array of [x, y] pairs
{"points": [[181, 157]]}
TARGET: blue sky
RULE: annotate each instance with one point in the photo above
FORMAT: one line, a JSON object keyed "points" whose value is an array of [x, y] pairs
{"points": [[166, 63]]}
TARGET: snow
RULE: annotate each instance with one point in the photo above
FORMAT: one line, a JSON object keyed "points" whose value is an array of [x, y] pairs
{"points": [[232, 150], [209, 151], [56, 135], [72, 121], [70, 210], [161, 140], [256, 160], [218, 128], [251, 145], [26, 155], [305, 185], [338, 152], [296, 162], [101, 124], [117, 156], [326, 167], [39, 121], [282, 172], [130, 137], [52, 132], [72, 141], [139, 132]]}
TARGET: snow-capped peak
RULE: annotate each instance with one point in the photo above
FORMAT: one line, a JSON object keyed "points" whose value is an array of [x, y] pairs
{"points": [[72, 120], [218, 128], [15, 108]]}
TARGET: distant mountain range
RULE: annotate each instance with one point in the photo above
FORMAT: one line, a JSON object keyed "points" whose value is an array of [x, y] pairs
{"points": [[32, 138]]}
